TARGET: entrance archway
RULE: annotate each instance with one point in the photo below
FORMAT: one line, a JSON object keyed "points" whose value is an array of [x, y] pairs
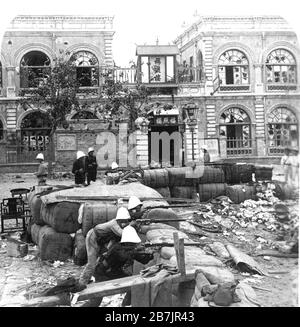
{"points": [[34, 134], [235, 124]]}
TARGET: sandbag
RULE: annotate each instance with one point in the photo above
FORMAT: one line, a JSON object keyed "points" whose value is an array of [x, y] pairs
{"points": [[186, 192], [212, 175], [52, 245], [240, 193], [263, 173], [167, 252], [35, 209], [211, 191], [62, 216], [164, 191], [216, 275], [95, 213], [153, 226], [79, 249], [164, 235], [195, 260], [220, 250], [166, 214], [156, 178]]}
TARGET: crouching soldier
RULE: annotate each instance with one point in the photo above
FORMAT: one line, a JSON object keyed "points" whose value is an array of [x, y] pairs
{"points": [[98, 237], [113, 175], [118, 261]]}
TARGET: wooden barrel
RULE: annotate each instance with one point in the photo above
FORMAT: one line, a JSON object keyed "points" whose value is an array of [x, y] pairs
{"points": [[156, 178], [263, 173], [240, 193], [211, 191], [97, 213], [186, 192], [79, 249], [212, 175], [178, 177], [62, 216], [52, 245]]}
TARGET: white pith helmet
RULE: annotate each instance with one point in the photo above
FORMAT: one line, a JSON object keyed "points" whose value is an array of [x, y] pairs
{"points": [[129, 234], [133, 202], [90, 149], [204, 147], [122, 213], [114, 165], [40, 156], [80, 154]]}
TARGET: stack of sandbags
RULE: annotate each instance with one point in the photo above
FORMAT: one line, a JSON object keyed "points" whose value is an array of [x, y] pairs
{"points": [[240, 193], [52, 245], [95, 213]]}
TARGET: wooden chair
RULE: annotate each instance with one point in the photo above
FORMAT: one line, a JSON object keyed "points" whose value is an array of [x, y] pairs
{"points": [[12, 208]]}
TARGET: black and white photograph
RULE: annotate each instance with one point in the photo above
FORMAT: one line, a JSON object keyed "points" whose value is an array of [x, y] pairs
{"points": [[149, 156]]}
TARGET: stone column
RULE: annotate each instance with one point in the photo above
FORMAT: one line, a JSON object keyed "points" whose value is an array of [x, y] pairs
{"points": [[258, 74], [191, 142], [11, 88], [260, 135], [142, 148], [211, 119], [108, 49], [208, 62], [223, 147]]}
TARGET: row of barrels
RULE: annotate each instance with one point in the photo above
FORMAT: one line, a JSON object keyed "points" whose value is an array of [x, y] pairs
{"points": [[237, 193], [211, 174]]}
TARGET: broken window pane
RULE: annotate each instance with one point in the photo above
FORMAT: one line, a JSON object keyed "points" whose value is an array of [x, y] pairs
{"points": [[281, 67], [87, 68], [35, 66], [233, 68]]}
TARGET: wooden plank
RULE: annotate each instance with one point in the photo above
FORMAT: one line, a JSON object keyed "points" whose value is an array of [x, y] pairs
{"points": [[102, 289], [122, 285], [179, 249]]}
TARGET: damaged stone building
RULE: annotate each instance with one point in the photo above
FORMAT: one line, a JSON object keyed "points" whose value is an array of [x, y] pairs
{"points": [[230, 83]]}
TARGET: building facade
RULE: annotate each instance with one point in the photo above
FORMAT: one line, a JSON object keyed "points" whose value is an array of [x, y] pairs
{"points": [[32, 42], [251, 97], [231, 83]]}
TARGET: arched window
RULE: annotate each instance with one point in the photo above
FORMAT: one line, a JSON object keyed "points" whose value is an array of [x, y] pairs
{"points": [[233, 68], [1, 130], [0, 74], [35, 131], [280, 69], [35, 67], [282, 130], [87, 68], [235, 124], [84, 115]]}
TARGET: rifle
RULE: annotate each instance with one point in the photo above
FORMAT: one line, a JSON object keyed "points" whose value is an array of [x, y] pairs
{"points": [[162, 244], [125, 198]]}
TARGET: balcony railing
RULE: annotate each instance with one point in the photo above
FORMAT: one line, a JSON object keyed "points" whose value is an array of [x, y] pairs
{"points": [[190, 75], [239, 147]]}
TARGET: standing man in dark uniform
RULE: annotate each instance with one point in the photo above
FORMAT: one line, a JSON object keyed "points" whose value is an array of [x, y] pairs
{"points": [[79, 169], [91, 164]]}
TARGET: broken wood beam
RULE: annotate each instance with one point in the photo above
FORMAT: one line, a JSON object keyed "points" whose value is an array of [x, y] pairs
{"points": [[179, 250]]}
